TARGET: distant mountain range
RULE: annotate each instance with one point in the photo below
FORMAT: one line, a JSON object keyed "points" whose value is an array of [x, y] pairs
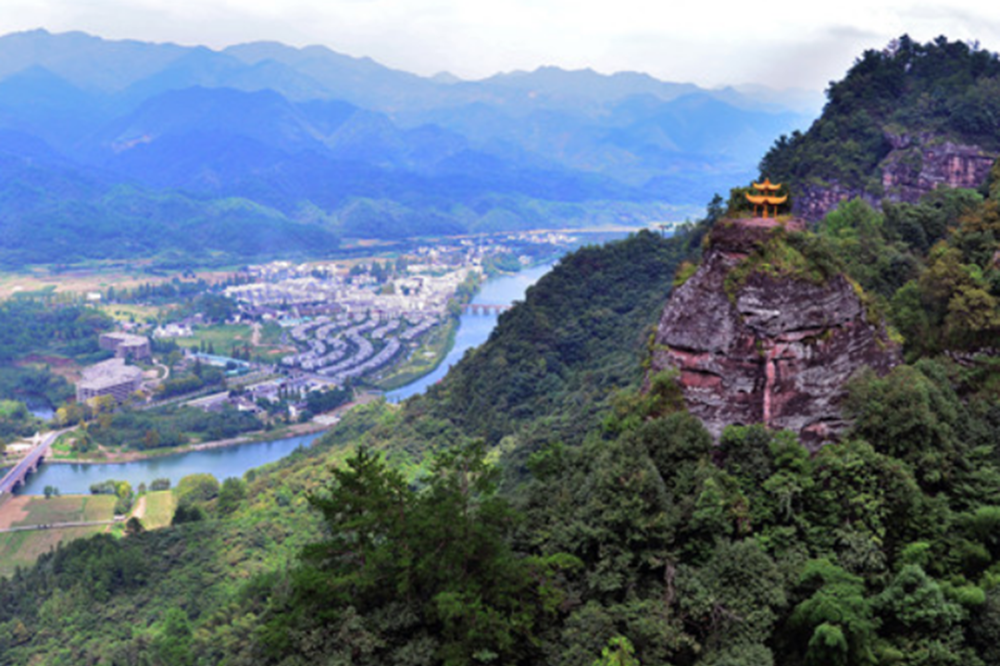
{"points": [[318, 146]]}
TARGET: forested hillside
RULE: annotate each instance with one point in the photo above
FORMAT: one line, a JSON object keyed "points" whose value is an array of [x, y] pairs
{"points": [[890, 127]]}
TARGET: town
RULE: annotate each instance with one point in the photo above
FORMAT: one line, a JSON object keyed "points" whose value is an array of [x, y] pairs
{"points": [[273, 345]]}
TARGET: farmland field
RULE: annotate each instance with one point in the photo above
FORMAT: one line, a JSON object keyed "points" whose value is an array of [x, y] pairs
{"points": [[158, 510], [23, 548]]}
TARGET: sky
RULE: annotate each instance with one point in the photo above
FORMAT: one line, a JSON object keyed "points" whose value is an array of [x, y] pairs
{"points": [[777, 43]]}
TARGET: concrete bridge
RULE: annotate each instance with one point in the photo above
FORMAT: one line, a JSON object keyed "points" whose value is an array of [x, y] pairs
{"points": [[15, 478], [484, 309]]}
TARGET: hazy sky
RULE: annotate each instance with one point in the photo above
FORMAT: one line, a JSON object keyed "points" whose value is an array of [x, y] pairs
{"points": [[803, 44]]}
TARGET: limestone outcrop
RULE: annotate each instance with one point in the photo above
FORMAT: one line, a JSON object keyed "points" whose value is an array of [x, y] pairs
{"points": [[755, 343]]}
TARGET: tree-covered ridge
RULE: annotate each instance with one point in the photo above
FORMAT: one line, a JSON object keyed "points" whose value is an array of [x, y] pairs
{"points": [[944, 89], [67, 217], [31, 325], [582, 331], [931, 267]]}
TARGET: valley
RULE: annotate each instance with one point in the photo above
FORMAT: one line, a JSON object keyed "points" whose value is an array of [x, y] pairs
{"points": [[768, 434]]}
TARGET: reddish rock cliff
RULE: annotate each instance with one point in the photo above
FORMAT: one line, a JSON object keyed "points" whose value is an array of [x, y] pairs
{"points": [[766, 347], [916, 165]]}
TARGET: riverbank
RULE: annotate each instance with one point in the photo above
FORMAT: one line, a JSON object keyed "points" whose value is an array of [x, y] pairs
{"points": [[425, 359], [320, 423]]}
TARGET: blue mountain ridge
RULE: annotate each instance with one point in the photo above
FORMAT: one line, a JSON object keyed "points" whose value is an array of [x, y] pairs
{"points": [[295, 129]]}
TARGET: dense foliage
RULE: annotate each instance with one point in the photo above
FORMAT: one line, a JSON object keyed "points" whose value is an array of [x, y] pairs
{"points": [[167, 426], [581, 332], [15, 421], [33, 334], [948, 89], [931, 267], [28, 325]]}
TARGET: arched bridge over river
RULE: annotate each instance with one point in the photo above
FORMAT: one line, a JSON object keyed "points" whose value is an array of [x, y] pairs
{"points": [[14, 478], [484, 308]]}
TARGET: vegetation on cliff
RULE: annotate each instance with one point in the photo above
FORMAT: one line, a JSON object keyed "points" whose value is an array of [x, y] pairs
{"points": [[949, 90], [931, 266]]}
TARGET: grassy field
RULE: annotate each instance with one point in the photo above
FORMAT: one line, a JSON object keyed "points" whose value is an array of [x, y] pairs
{"points": [[21, 549], [221, 337], [159, 510], [134, 313], [69, 509], [90, 278], [62, 449]]}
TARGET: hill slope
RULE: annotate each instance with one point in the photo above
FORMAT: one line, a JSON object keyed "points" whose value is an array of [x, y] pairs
{"points": [[903, 121]]}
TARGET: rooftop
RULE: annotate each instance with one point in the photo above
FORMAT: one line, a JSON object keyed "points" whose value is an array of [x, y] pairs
{"points": [[127, 338], [108, 373]]}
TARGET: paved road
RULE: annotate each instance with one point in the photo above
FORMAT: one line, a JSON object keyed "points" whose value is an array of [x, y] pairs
{"points": [[17, 472], [55, 526], [208, 400]]}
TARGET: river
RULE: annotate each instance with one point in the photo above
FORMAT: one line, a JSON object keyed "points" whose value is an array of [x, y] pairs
{"points": [[221, 462], [474, 329], [224, 462]]}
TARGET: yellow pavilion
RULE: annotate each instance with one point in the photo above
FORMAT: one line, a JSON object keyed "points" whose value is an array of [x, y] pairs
{"points": [[767, 197]]}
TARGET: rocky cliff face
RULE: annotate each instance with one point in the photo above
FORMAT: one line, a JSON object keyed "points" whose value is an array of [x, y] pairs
{"points": [[760, 346], [916, 165]]}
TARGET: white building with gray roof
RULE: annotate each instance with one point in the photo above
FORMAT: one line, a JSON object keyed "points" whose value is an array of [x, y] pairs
{"points": [[111, 377]]}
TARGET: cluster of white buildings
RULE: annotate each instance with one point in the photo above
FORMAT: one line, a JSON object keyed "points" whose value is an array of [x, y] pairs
{"points": [[349, 346], [355, 294], [364, 325]]}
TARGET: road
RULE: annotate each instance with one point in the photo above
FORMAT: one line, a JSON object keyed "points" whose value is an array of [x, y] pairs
{"points": [[55, 526], [17, 473], [208, 400]]}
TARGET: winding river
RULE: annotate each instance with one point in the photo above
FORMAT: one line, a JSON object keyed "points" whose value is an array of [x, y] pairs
{"points": [[230, 461]]}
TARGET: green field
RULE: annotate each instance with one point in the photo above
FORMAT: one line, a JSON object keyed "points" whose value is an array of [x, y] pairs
{"points": [[62, 449], [68, 509], [21, 549], [222, 337], [131, 313], [159, 509], [270, 333]]}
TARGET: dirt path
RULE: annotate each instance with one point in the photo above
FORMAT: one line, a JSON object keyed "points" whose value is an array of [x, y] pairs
{"points": [[13, 511], [255, 336], [140, 508]]}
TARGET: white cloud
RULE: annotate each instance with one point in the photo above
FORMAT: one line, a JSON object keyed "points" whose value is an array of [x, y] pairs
{"points": [[708, 42]]}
